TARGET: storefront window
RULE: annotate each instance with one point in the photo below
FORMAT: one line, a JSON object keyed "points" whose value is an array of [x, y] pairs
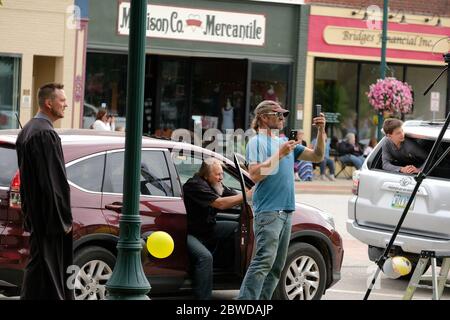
{"points": [[419, 78], [106, 82], [9, 92], [368, 118], [218, 93], [269, 82], [174, 112], [335, 85]]}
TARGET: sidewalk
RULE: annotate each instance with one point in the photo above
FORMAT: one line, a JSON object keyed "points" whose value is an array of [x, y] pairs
{"points": [[340, 186]]}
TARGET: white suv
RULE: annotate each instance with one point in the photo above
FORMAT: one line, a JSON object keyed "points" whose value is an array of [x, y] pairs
{"points": [[380, 197]]}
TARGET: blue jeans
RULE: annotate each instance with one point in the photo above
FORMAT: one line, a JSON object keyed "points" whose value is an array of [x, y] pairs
{"points": [[202, 258], [356, 160], [272, 233], [327, 162]]}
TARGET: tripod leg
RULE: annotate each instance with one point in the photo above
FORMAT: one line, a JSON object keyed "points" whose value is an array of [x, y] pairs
{"points": [[373, 282]]}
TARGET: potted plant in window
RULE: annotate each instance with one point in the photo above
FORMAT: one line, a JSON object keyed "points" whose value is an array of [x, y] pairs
{"points": [[391, 96]]}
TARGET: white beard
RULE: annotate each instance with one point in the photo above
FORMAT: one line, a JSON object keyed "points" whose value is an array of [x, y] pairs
{"points": [[218, 188]]}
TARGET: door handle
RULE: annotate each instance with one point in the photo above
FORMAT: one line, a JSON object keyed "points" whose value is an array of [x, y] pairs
{"points": [[115, 206]]}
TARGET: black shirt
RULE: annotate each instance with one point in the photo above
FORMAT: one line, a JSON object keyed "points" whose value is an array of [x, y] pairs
{"points": [[201, 216], [345, 148]]}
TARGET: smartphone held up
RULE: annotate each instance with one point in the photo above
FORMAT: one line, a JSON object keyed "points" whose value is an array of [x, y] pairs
{"points": [[293, 135], [317, 110]]}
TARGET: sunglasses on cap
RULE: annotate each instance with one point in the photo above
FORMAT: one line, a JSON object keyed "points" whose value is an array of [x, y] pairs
{"points": [[279, 114]]}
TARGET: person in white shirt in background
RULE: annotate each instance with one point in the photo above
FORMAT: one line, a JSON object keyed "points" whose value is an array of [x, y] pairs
{"points": [[372, 143], [104, 122]]}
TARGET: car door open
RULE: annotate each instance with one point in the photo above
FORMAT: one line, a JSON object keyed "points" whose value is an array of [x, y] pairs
{"points": [[246, 243]]}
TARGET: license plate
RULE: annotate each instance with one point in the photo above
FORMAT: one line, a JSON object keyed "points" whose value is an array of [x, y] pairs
{"points": [[400, 200]]}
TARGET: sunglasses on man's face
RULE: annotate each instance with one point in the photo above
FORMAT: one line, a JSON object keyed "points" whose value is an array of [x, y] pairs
{"points": [[280, 115]]}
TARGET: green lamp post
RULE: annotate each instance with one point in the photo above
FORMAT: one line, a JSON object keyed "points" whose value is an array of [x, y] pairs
{"points": [[383, 60], [128, 281]]}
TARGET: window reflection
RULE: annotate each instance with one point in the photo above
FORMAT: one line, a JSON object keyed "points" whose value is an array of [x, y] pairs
{"points": [[269, 82], [9, 91], [218, 94], [106, 82], [335, 87], [420, 78], [174, 111]]}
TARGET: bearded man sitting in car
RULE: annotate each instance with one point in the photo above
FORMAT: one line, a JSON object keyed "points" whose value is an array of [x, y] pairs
{"points": [[204, 196]]}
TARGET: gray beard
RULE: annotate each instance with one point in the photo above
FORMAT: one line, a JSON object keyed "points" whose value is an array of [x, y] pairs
{"points": [[218, 188]]}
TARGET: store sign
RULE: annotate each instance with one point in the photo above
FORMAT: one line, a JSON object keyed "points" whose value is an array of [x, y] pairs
{"points": [[198, 24], [395, 40], [332, 117], [434, 103]]}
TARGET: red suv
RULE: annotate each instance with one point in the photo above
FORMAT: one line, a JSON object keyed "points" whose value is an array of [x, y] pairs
{"points": [[94, 162]]}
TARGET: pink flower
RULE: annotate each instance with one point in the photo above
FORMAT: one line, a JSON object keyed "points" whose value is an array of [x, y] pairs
{"points": [[391, 95]]}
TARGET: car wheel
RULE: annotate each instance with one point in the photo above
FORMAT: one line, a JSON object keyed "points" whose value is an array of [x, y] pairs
{"points": [[96, 265], [304, 274]]}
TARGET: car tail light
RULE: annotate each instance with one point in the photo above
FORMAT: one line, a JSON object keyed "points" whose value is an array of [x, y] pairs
{"points": [[355, 182], [14, 192]]}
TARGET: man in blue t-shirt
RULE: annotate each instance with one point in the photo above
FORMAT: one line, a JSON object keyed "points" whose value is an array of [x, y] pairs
{"points": [[271, 163]]}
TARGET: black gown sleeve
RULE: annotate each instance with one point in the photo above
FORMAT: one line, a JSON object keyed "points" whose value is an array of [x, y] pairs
{"points": [[52, 180]]}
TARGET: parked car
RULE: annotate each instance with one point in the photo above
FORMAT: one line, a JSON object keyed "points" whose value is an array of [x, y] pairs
{"points": [[94, 165], [380, 198]]}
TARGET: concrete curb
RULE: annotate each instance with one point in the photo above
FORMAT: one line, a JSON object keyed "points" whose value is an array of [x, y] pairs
{"points": [[339, 186]]}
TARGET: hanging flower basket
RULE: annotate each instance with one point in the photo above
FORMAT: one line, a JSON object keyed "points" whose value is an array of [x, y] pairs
{"points": [[391, 95]]}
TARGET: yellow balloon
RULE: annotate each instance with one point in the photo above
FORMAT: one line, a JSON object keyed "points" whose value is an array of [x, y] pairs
{"points": [[160, 244], [396, 267], [401, 265]]}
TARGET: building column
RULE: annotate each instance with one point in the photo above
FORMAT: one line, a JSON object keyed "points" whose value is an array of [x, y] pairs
{"points": [[309, 97], [27, 95], [300, 68]]}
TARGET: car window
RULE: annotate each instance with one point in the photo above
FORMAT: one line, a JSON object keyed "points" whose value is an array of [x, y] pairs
{"points": [[187, 166], [155, 176], [87, 173], [154, 179], [8, 165], [230, 181]]}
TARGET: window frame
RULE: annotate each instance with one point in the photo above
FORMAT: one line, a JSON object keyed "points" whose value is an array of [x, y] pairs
{"points": [[73, 162], [172, 174], [227, 168]]}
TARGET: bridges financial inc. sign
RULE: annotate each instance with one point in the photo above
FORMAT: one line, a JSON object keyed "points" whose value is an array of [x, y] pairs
{"points": [[198, 24]]}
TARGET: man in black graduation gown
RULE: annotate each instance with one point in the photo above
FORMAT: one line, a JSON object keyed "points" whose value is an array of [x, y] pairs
{"points": [[45, 196]]}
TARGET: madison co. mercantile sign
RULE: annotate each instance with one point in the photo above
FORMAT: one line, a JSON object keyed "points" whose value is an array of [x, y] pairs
{"points": [[198, 24]]}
